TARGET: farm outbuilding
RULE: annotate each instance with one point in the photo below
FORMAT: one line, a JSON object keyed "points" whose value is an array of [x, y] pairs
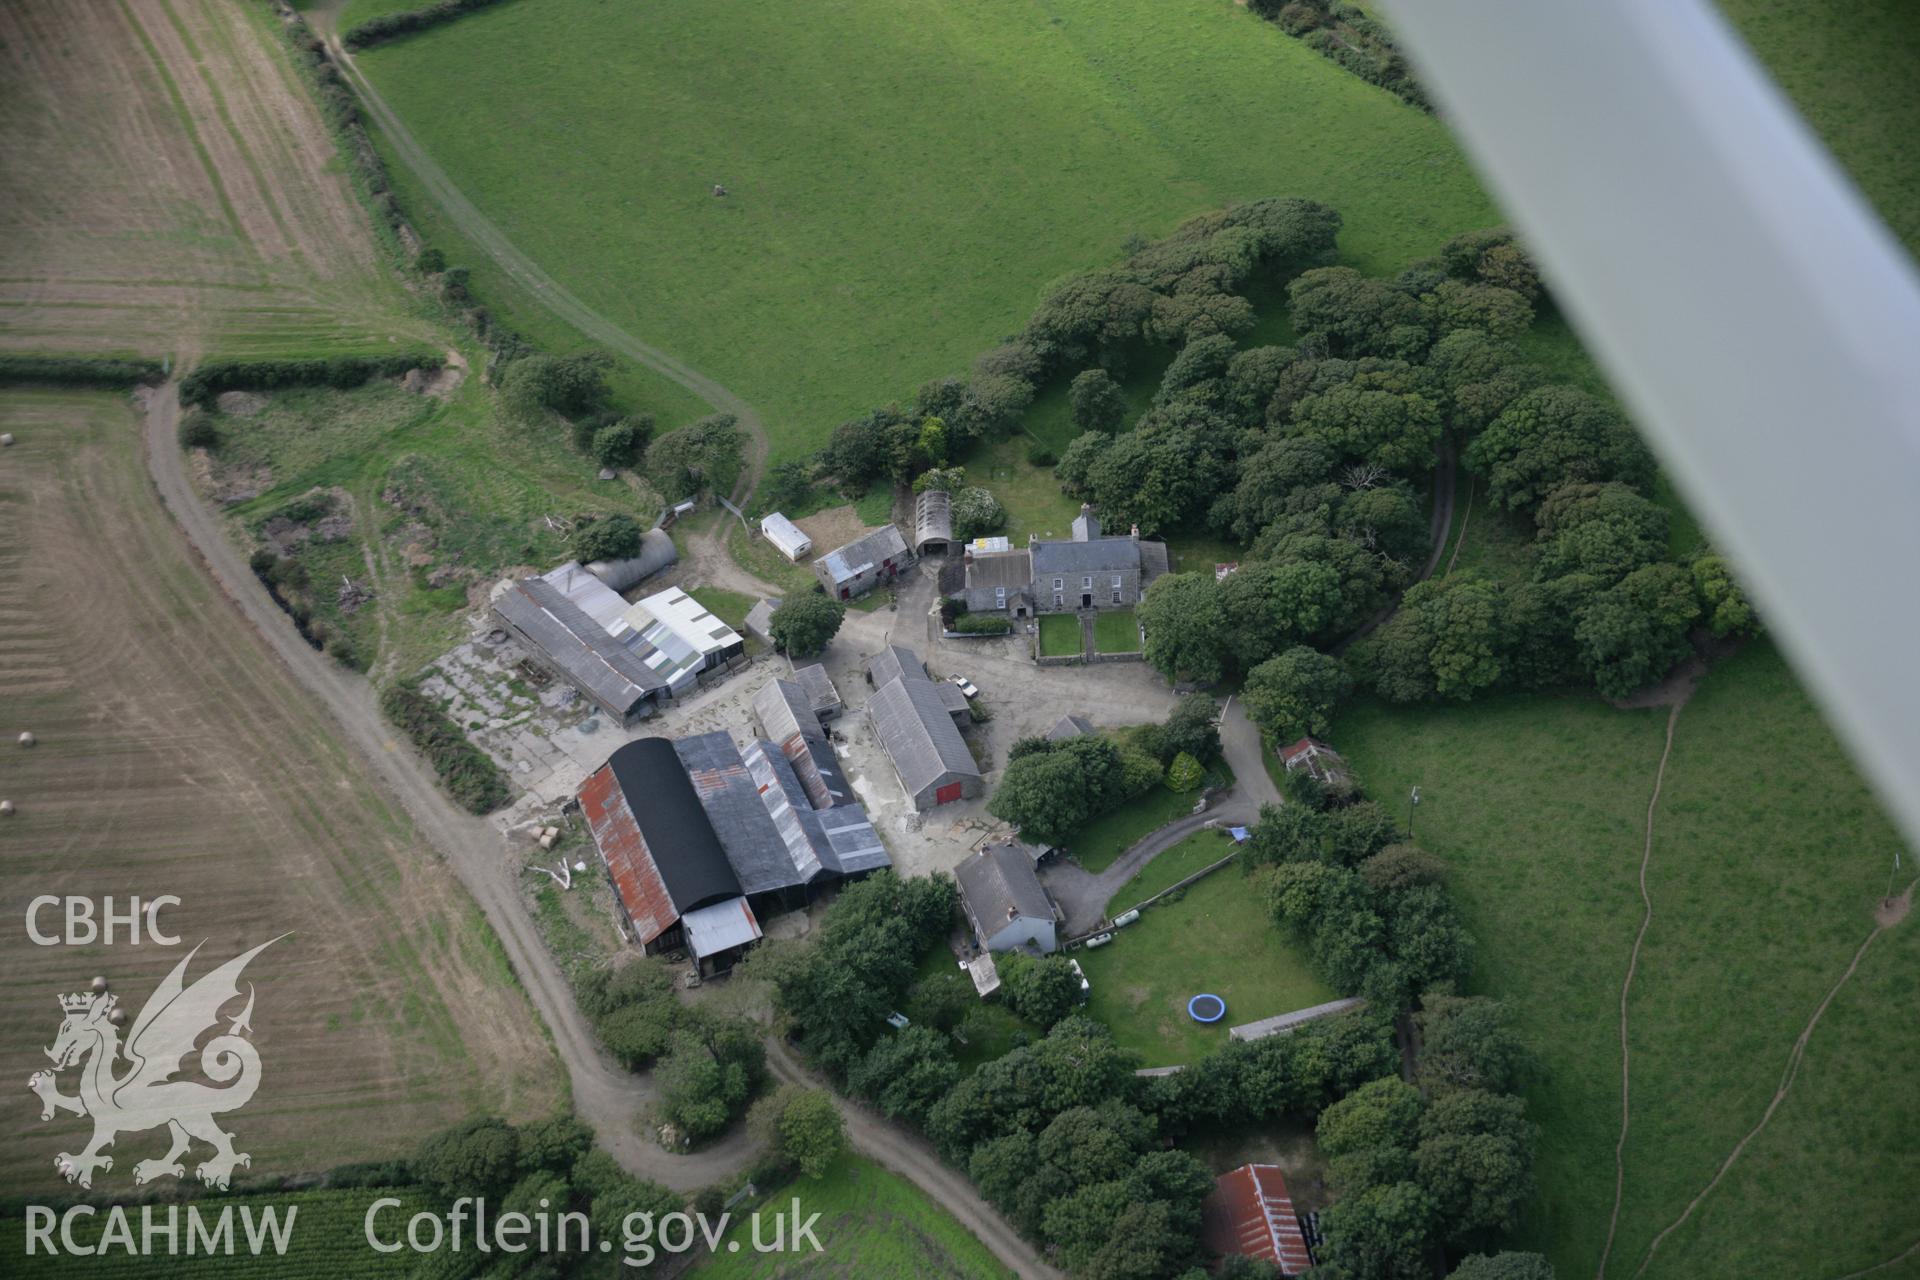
{"points": [[918, 732], [786, 537], [1006, 904], [1317, 760], [1069, 727], [703, 841], [657, 552], [1250, 1213], [578, 647], [821, 695], [932, 523], [863, 564], [677, 638], [760, 620], [789, 723]]}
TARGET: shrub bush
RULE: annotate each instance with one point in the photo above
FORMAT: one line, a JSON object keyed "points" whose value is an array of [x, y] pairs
{"points": [[614, 537], [197, 430], [981, 624]]}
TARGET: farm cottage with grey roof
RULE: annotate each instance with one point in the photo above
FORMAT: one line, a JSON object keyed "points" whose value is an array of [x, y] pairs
{"points": [[863, 564], [1005, 902]]}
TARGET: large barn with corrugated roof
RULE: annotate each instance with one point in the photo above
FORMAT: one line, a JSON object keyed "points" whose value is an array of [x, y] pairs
{"points": [[703, 841], [1250, 1213]]}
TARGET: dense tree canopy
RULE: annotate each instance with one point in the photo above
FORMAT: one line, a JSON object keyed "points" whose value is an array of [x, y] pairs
{"points": [[1294, 694], [805, 622]]}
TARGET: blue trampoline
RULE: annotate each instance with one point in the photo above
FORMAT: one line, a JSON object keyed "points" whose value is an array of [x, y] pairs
{"points": [[1206, 1008]]}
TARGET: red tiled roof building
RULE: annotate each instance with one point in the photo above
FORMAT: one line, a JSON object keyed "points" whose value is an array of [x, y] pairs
{"points": [[1250, 1213]]}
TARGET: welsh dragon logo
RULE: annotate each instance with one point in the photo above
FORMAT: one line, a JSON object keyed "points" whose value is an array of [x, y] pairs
{"points": [[145, 1095]]}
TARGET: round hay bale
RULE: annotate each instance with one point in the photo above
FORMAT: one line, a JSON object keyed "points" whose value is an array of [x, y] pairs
{"points": [[26, 739], [99, 984], [6, 808], [6, 439], [118, 1017]]}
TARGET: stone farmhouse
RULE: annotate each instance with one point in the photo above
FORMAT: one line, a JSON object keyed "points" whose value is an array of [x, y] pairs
{"points": [[1090, 570]]}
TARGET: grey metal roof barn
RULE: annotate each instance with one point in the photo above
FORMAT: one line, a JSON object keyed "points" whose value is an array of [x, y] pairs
{"points": [[893, 663], [919, 736], [760, 620], [731, 799], [789, 723], [932, 521], [821, 695], [846, 563], [657, 552], [1069, 727], [585, 654]]}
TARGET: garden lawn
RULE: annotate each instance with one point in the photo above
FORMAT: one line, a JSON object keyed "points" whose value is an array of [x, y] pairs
{"points": [[1031, 496], [1059, 635], [1097, 844], [873, 1224], [904, 180], [1768, 855], [728, 606], [1214, 936], [1116, 631]]}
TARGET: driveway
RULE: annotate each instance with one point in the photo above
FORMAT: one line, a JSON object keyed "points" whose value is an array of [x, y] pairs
{"points": [[1083, 895]]}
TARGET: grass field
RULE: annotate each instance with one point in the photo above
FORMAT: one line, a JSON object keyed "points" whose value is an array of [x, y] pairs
{"points": [[1849, 68], [1116, 631], [1059, 635], [328, 1240], [183, 196], [175, 757], [1215, 936], [1768, 854], [872, 1224], [874, 237], [1097, 844]]}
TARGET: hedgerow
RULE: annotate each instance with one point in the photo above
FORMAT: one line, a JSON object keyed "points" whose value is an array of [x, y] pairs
{"points": [[391, 26], [79, 371], [470, 775], [204, 384]]}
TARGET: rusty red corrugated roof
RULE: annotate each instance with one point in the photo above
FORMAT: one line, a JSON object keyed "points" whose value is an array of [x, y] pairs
{"points": [[629, 863], [1250, 1213]]}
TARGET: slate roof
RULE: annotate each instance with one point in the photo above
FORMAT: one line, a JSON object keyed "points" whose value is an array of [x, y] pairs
{"points": [[895, 662], [821, 695], [760, 617], [789, 723], [1096, 555], [1086, 525], [848, 562], [841, 839], [997, 880], [1010, 569], [1249, 1212], [1069, 727], [918, 733], [951, 698], [578, 646], [761, 859]]}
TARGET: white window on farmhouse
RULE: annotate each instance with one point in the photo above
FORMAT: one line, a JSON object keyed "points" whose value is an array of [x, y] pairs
{"points": [[1058, 583], [1116, 588], [1086, 583], [999, 597]]}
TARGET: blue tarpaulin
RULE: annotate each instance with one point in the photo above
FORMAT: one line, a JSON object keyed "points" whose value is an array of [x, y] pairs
{"points": [[1239, 834]]}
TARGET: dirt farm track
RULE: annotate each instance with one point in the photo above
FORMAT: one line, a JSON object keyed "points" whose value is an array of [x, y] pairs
{"points": [[174, 757]]}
